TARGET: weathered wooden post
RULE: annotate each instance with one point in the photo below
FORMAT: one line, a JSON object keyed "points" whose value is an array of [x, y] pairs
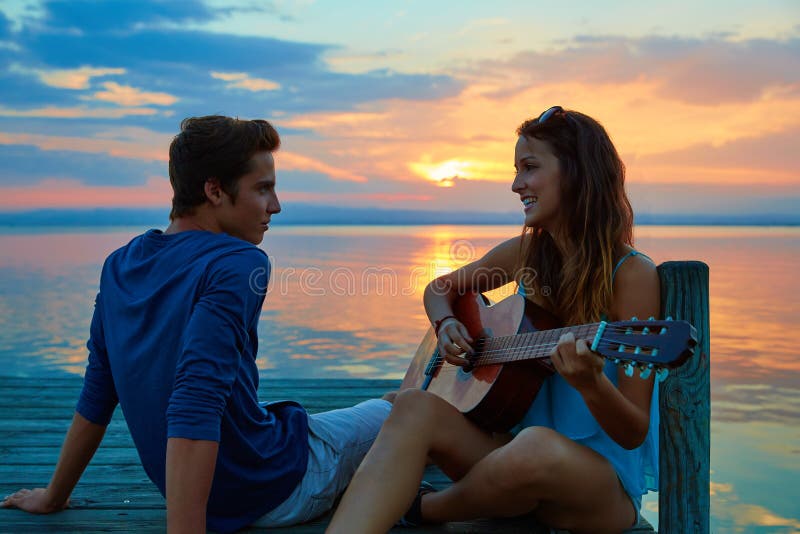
{"points": [[684, 441]]}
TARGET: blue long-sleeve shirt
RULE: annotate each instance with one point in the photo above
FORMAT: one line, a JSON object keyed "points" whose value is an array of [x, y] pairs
{"points": [[173, 340]]}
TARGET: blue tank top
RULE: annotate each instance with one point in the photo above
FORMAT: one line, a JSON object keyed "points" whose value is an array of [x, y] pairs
{"points": [[560, 406]]}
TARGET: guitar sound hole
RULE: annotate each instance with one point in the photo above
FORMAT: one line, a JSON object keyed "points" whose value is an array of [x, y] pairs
{"points": [[464, 374], [470, 365]]}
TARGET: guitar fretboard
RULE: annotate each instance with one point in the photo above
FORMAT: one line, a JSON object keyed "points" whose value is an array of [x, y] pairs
{"points": [[528, 346]]}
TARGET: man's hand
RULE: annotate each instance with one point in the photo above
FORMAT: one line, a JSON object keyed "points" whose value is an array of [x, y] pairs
{"points": [[36, 501], [83, 438]]}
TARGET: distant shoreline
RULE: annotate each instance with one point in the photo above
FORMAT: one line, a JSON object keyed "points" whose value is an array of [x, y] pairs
{"points": [[311, 215]]}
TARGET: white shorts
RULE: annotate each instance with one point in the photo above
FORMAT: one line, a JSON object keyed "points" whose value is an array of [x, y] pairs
{"points": [[337, 441]]}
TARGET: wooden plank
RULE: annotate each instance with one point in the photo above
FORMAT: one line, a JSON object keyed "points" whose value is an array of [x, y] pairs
{"points": [[684, 440], [48, 455], [107, 496], [38, 475], [16, 440]]}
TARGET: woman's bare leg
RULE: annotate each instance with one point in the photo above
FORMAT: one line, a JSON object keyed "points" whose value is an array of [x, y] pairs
{"points": [[386, 483], [567, 485]]}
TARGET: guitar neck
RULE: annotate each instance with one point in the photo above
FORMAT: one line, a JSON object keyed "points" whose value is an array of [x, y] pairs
{"points": [[528, 346]]}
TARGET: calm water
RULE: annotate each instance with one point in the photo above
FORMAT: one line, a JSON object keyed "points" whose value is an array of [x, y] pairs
{"points": [[347, 302]]}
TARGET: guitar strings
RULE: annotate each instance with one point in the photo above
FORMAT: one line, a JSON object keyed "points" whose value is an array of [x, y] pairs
{"points": [[542, 350], [496, 347], [522, 337], [539, 348], [590, 329]]}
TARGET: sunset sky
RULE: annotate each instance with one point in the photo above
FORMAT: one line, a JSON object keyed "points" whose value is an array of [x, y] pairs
{"points": [[402, 104]]}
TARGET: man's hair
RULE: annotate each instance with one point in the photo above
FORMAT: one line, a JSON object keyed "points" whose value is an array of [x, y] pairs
{"points": [[214, 147]]}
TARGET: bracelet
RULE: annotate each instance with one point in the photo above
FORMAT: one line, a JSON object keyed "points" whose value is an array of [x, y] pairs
{"points": [[438, 323]]}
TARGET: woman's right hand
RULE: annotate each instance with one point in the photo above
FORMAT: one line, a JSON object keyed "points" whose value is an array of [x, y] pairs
{"points": [[454, 341]]}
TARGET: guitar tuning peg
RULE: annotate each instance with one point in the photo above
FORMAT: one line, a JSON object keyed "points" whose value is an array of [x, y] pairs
{"points": [[654, 353], [669, 317], [662, 374], [645, 331], [645, 373], [651, 318], [634, 318], [616, 361], [637, 350], [629, 369], [663, 331], [621, 348]]}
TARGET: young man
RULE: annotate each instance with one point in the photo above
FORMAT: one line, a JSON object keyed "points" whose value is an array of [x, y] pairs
{"points": [[173, 340]]}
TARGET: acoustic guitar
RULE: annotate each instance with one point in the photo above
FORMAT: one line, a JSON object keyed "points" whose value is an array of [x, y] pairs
{"points": [[512, 342]]}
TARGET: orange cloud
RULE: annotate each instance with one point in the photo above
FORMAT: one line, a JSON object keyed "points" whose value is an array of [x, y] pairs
{"points": [[125, 95], [294, 161], [678, 174], [68, 78]]}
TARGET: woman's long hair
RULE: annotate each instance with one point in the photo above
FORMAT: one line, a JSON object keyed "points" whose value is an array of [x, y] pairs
{"points": [[595, 216]]}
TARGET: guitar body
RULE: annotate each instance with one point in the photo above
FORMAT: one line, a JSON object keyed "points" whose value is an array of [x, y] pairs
{"points": [[494, 396]]}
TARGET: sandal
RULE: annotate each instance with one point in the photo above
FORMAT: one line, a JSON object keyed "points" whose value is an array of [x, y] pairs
{"points": [[413, 517]]}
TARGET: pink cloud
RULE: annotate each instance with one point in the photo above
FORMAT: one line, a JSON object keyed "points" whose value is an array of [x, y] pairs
{"points": [[242, 80], [146, 144], [76, 112], [709, 71], [123, 142], [56, 193], [354, 199]]}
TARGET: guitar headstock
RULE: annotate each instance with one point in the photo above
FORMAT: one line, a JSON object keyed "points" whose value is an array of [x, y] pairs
{"points": [[646, 345]]}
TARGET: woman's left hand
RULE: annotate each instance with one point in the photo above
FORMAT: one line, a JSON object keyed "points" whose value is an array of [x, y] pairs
{"points": [[580, 367]]}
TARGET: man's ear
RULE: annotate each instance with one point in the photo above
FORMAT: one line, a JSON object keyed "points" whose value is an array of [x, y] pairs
{"points": [[213, 191]]}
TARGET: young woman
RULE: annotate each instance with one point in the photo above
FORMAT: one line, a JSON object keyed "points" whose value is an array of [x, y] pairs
{"points": [[587, 448]]}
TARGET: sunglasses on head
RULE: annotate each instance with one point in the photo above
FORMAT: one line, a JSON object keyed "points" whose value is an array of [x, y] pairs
{"points": [[549, 112]]}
